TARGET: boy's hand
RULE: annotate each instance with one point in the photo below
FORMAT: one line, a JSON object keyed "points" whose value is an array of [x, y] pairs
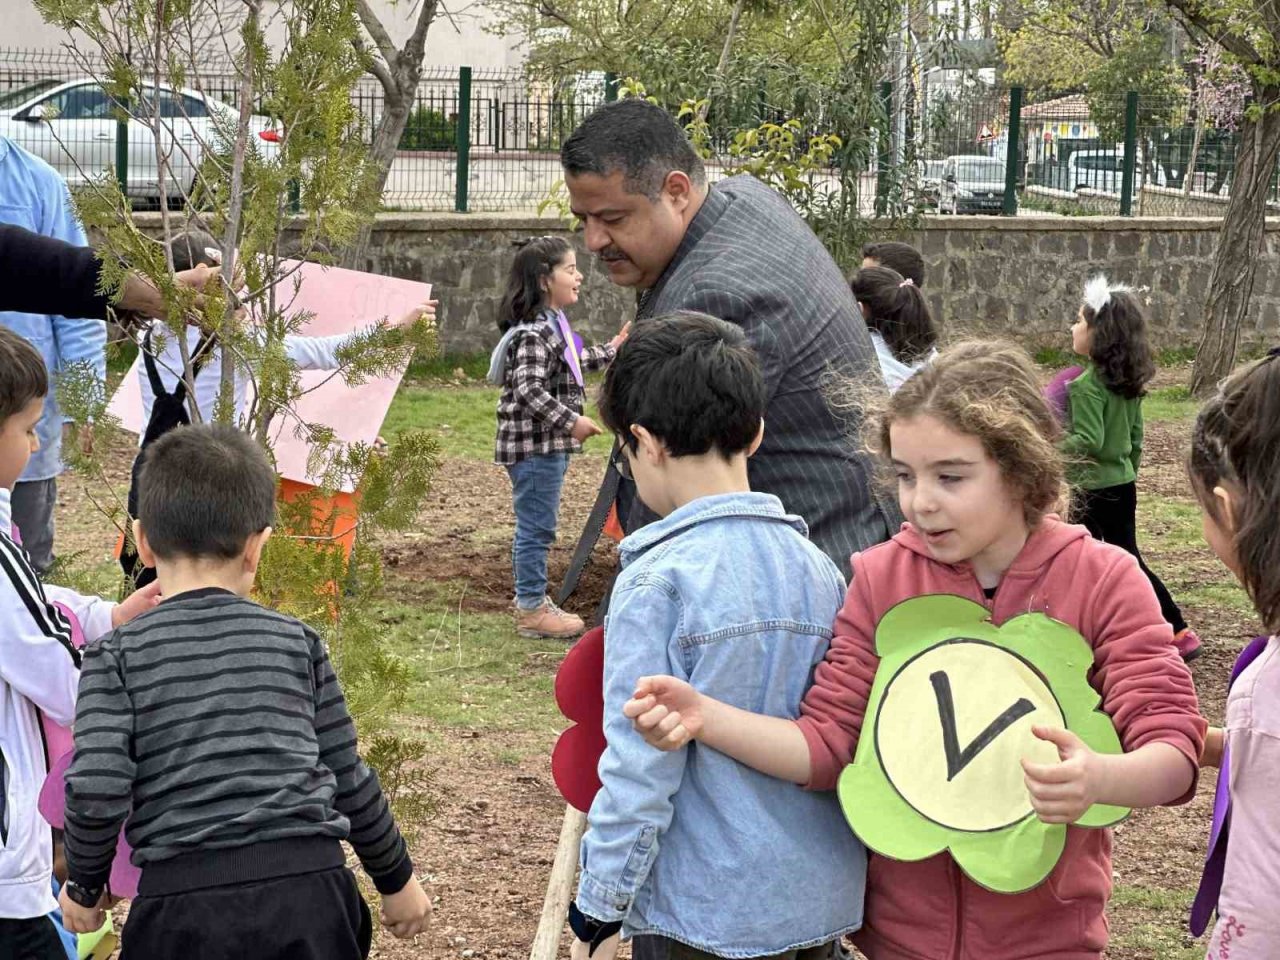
{"points": [[1062, 792], [408, 912], [140, 601], [78, 919], [583, 428], [665, 711], [607, 950], [423, 311], [1214, 739]]}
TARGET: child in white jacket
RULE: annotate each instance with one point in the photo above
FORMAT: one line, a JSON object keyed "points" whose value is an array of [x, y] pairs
{"points": [[39, 670]]}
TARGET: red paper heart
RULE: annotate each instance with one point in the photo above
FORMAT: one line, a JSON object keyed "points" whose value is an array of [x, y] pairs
{"points": [[580, 696]]}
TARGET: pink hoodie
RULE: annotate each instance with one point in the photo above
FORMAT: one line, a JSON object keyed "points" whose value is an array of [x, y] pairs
{"points": [[928, 910]]}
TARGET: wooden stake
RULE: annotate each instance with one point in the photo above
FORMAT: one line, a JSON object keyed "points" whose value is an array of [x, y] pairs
{"points": [[555, 907]]}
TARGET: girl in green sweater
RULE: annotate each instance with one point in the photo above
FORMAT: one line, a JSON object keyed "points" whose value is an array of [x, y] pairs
{"points": [[1104, 435]]}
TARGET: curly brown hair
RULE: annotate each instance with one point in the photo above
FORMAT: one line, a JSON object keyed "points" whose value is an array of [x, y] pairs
{"points": [[1236, 444], [988, 390], [1119, 348]]}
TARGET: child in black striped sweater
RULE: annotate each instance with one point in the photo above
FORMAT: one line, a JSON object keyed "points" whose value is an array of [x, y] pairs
{"points": [[220, 723]]}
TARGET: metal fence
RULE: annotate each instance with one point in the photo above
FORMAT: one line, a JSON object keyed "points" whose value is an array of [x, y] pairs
{"points": [[489, 140]]}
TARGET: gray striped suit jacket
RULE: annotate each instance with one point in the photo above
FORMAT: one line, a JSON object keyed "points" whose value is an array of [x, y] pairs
{"points": [[750, 259]]}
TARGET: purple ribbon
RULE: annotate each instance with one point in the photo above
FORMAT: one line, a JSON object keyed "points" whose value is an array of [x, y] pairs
{"points": [[1206, 901], [573, 348]]}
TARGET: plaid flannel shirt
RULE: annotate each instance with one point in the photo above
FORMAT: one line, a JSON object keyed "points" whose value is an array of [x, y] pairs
{"points": [[540, 399]]}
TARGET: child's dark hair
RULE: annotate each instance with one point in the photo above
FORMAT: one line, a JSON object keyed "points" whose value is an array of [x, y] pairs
{"points": [[1235, 444], [23, 376], [204, 490], [691, 380], [525, 295], [987, 390], [1119, 348], [896, 309], [899, 256], [193, 247]]}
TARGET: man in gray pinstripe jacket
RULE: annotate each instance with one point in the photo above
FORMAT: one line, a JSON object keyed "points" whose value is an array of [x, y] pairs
{"points": [[738, 251]]}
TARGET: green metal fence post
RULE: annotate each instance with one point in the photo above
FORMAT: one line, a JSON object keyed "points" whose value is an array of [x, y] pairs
{"points": [[883, 153], [295, 196], [1130, 153], [464, 139], [610, 87], [1012, 153], [122, 154]]}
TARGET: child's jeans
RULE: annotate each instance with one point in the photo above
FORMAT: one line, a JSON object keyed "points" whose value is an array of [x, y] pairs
{"points": [[650, 947], [535, 494]]}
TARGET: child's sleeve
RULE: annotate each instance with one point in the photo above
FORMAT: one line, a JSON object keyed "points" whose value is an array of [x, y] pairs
{"points": [[374, 835], [1146, 688], [37, 657], [832, 711], [94, 613], [1135, 440], [599, 356], [634, 806], [316, 353], [100, 780], [529, 376], [1085, 434]]}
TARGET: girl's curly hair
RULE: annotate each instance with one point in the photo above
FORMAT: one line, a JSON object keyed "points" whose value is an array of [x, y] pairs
{"points": [[1119, 349], [987, 390]]}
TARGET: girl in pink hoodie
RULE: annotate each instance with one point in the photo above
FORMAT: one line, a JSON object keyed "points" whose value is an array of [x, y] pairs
{"points": [[972, 443], [1234, 450]]}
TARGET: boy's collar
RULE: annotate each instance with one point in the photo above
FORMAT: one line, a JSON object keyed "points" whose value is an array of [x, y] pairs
{"points": [[761, 506], [200, 593]]}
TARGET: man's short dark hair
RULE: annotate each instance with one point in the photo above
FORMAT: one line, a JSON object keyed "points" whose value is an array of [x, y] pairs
{"points": [[899, 256], [204, 490], [691, 380], [638, 138], [23, 376]]}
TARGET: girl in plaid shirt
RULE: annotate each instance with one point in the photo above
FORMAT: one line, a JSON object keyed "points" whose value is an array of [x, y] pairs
{"points": [[540, 363]]}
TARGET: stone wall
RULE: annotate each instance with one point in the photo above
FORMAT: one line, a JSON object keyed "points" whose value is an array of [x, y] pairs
{"points": [[1018, 277]]}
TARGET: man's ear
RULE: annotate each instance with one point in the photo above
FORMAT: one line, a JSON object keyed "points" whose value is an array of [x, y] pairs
{"points": [[145, 553], [679, 190]]}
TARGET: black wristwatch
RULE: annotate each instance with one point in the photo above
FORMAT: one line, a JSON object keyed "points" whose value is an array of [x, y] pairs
{"points": [[589, 929], [85, 896]]}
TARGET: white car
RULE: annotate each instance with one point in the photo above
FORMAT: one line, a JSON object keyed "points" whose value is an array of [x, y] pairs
{"points": [[72, 126]]}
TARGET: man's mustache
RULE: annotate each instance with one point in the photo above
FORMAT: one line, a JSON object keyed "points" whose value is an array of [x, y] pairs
{"points": [[611, 253]]}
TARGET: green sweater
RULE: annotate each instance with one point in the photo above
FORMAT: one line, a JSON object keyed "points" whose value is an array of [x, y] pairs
{"points": [[1104, 439]]}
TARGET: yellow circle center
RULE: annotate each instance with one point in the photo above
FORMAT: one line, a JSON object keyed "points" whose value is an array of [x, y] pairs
{"points": [[953, 725]]}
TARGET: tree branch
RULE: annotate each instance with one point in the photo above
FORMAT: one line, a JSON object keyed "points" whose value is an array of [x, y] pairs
{"points": [[418, 39], [1235, 43], [377, 31]]}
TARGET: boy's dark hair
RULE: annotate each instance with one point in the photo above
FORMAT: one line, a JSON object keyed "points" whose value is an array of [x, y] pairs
{"points": [[899, 256], [193, 247], [204, 490], [1119, 349], [897, 311], [23, 376], [691, 380], [533, 263], [638, 138]]}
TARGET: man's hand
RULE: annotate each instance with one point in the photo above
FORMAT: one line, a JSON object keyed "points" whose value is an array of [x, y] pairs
{"points": [[78, 919], [608, 949], [584, 428], [140, 601], [408, 912], [665, 711], [84, 435], [141, 295], [1062, 792]]}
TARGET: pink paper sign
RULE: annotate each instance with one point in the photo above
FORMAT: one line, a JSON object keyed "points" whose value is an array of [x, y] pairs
{"points": [[340, 301]]}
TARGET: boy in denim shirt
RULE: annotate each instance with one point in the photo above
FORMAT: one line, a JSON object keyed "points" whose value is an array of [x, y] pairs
{"points": [[688, 852]]}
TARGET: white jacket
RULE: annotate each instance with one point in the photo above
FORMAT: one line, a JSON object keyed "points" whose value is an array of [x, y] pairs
{"points": [[39, 667]]}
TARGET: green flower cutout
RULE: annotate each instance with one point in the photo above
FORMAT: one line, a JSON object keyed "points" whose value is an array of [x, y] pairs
{"points": [[949, 719]]}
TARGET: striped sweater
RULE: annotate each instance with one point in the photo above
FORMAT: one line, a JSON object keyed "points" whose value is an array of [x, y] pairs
{"points": [[222, 725]]}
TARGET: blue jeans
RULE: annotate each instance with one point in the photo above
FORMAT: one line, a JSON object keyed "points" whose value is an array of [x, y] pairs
{"points": [[535, 494]]}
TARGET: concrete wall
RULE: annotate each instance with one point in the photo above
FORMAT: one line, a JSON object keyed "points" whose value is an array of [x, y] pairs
{"points": [[1018, 277]]}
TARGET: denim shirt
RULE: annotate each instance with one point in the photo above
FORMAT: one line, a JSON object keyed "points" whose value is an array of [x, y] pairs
{"points": [[34, 196], [727, 593]]}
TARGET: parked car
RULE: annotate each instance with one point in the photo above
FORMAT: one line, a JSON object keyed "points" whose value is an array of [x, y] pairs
{"points": [[72, 125], [931, 181], [972, 184], [1103, 171]]}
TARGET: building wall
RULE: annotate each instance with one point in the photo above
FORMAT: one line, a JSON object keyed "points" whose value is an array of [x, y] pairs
{"points": [[987, 276]]}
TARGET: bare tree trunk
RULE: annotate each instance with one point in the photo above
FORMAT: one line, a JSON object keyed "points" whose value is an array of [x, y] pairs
{"points": [[399, 72], [717, 79], [1239, 244]]}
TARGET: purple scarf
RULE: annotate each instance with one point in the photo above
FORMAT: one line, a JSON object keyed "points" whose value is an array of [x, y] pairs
{"points": [[572, 352], [1206, 901]]}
